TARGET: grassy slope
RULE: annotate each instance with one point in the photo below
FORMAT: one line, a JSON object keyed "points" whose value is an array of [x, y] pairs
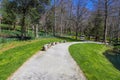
{"points": [[12, 58], [13, 44], [93, 63]]}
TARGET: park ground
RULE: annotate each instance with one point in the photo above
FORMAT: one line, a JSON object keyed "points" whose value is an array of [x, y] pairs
{"points": [[97, 61]]}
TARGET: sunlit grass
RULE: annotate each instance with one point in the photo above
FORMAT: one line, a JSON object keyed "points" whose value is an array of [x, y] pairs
{"points": [[94, 64], [13, 55]]}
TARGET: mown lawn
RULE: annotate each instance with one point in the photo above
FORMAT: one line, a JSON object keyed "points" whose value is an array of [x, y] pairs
{"points": [[12, 44], [12, 58], [94, 64]]}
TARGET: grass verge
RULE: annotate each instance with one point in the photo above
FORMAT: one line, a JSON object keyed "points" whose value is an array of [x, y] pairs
{"points": [[12, 58], [94, 64]]}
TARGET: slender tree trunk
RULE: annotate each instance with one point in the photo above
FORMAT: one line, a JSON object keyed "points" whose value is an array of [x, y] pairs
{"points": [[70, 31], [45, 29], [23, 27], [33, 29], [36, 31], [76, 34], [61, 18], [54, 27], [78, 18], [28, 28], [76, 30], [96, 38], [61, 30], [70, 14], [14, 25], [0, 26], [111, 33], [118, 26], [105, 22]]}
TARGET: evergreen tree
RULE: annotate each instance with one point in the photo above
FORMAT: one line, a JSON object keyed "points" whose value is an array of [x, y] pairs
{"points": [[97, 30], [24, 9], [8, 12]]}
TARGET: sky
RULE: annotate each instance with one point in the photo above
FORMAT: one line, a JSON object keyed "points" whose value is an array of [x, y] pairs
{"points": [[89, 4]]}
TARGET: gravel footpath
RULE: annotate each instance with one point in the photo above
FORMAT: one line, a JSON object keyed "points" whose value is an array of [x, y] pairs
{"points": [[53, 64]]}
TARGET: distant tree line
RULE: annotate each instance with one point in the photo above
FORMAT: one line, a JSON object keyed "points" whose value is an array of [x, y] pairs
{"points": [[60, 17]]}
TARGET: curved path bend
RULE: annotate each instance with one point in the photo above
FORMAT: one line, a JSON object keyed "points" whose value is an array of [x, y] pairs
{"points": [[53, 64]]}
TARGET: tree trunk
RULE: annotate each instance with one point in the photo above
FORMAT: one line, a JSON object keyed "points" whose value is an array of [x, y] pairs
{"points": [[118, 26], [33, 29], [54, 27], [76, 30], [23, 27], [0, 26], [97, 38], [36, 31], [61, 26], [105, 22], [14, 26], [45, 29], [61, 18]]}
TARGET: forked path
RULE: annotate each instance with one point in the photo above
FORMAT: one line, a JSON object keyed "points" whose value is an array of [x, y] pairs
{"points": [[54, 64]]}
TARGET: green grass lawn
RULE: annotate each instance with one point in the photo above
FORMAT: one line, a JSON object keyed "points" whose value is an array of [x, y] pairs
{"points": [[94, 64], [12, 58]]}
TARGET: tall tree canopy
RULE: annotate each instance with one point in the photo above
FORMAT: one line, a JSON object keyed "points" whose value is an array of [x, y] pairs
{"points": [[25, 9]]}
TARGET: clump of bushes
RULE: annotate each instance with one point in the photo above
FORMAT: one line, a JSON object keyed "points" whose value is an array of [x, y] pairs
{"points": [[116, 49]]}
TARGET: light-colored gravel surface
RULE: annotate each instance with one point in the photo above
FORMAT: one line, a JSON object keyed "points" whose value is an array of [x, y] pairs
{"points": [[53, 64]]}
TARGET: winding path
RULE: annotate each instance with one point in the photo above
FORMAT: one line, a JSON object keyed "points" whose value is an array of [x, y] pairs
{"points": [[54, 64]]}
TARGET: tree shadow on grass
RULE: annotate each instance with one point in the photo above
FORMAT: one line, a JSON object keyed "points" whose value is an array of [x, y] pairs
{"points": [[114, 58]]}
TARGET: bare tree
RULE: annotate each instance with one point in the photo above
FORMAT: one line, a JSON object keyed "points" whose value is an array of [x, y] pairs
{"points": [[54, 28], [80, 15]]}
